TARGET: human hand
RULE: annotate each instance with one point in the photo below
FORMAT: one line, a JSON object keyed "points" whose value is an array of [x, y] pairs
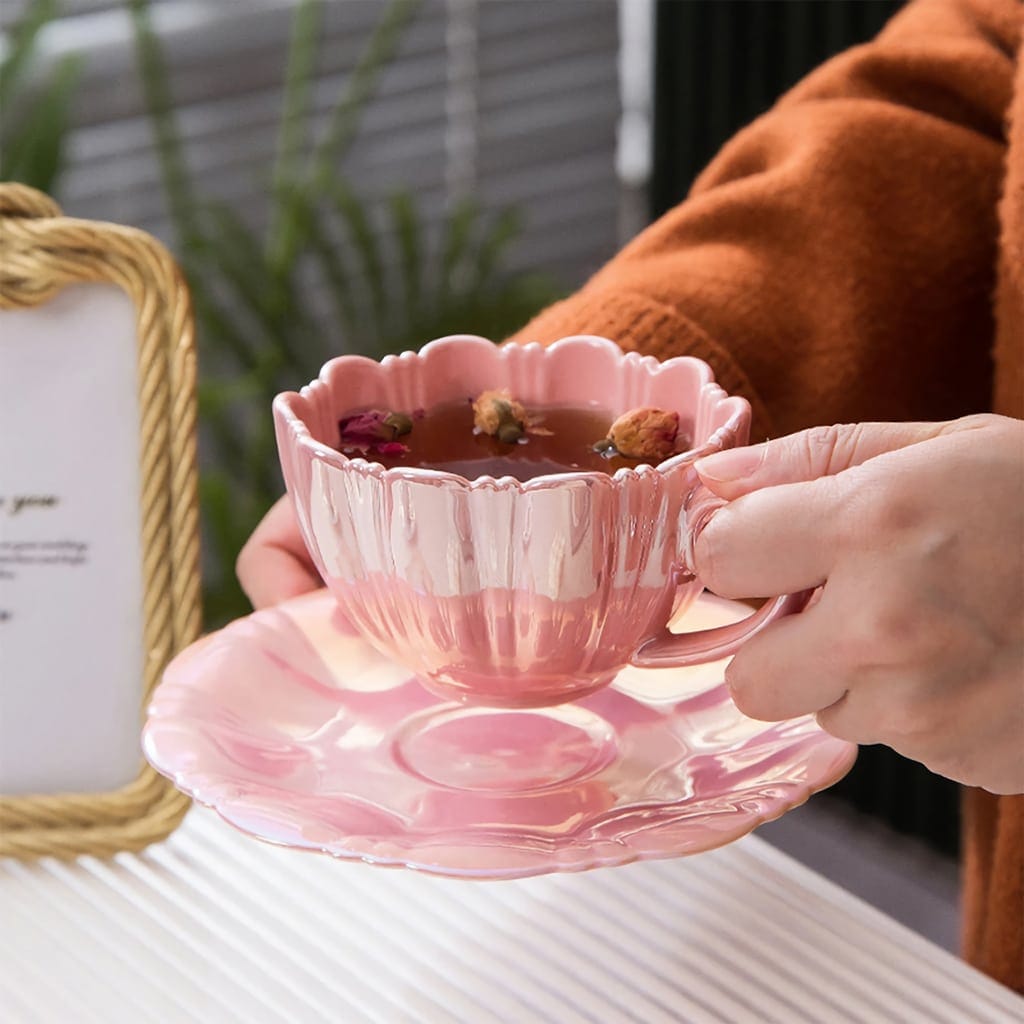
{"points": [[915, 531], [274, 565]]}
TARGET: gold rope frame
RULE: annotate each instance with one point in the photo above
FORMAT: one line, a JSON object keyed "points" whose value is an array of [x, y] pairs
{"points": [[41, 252]]}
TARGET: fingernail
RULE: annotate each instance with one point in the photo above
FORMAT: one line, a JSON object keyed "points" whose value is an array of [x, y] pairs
{"points": [[732, 464]]}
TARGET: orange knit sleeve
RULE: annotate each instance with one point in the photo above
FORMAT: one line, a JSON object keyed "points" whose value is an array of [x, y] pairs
{"points": [[836, 261]]}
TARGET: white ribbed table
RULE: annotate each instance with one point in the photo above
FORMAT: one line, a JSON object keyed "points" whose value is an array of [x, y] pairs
{"points": [[213, 926]]}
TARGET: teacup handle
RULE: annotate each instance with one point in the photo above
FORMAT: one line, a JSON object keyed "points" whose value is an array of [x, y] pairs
{"points": [[676, 650]]}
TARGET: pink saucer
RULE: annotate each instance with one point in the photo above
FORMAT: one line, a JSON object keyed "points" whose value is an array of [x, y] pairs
{"points": [[295, 730]]}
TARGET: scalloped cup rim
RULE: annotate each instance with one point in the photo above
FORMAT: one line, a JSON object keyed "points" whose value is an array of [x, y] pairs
{"points": [[285, 407]]}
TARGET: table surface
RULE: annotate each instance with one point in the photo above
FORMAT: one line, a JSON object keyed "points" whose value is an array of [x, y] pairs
{"points": [[213, 926]]}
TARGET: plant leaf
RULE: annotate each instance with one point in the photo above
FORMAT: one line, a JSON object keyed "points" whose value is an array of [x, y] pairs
{"points": [[35, 153], [218, 328], [261, 462], [408, 237], [228, 519], [300, 68], [269, 298], [236, 250], [458, 231], [499, 234], [156, 88], [352, 214], [215, 495], [218, 423], [336, 276], [344, 117], [22, 42]]}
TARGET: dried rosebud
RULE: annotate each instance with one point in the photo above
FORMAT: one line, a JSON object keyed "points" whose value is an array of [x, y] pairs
{"points": [[497, 413], [509, 432], [399, 423], [645, 433]]}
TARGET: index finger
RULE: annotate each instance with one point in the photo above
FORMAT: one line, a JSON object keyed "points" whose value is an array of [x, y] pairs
{"points": [[779, 540]]}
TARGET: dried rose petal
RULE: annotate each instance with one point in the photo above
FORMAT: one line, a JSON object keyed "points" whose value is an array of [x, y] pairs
{"points": [[364, 429], [373, 431], [497, 413], [645, 433]]}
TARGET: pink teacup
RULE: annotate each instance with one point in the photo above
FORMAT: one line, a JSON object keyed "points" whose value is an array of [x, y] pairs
{"points": [[498, 592]]}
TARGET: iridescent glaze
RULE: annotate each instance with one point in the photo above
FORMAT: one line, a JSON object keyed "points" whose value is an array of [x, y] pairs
{"points": [[297, 731], [498, 592]]}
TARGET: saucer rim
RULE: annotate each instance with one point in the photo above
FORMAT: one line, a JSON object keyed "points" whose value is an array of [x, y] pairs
{"points": [[554, 865], [573, 853]]}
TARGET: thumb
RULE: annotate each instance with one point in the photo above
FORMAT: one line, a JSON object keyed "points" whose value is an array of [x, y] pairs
{"points": [[807, 455]]}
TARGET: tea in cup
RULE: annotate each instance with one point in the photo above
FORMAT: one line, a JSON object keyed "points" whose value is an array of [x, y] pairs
{"points": [[501, 569]]}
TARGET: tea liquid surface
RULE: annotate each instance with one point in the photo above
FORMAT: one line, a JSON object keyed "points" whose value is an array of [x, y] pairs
{"points": [[444, 439]]}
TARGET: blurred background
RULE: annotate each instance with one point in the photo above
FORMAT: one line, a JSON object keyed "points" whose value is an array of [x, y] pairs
{"points": [[363, 175]]}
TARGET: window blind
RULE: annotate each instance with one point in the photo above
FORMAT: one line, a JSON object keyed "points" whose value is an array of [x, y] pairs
{"points": [[512, 101]]}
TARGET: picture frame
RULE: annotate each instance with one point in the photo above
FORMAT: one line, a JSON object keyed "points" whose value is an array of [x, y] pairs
{"points": [[44, 255]]}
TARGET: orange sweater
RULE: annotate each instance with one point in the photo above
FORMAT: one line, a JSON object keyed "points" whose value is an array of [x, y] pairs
{"points": [[857, 253]]}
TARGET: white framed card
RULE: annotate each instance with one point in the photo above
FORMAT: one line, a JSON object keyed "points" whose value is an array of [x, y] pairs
{"points": [[99, 570]]}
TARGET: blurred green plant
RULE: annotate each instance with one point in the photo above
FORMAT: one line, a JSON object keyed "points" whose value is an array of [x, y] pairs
{"points": [[389, 287], [34, 109]]}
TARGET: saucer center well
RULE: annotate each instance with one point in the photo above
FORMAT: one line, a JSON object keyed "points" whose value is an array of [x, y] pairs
{"points": [[505, 751]]}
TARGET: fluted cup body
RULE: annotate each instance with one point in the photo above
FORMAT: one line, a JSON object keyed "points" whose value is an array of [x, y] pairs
{"points": [[495, 591]]}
